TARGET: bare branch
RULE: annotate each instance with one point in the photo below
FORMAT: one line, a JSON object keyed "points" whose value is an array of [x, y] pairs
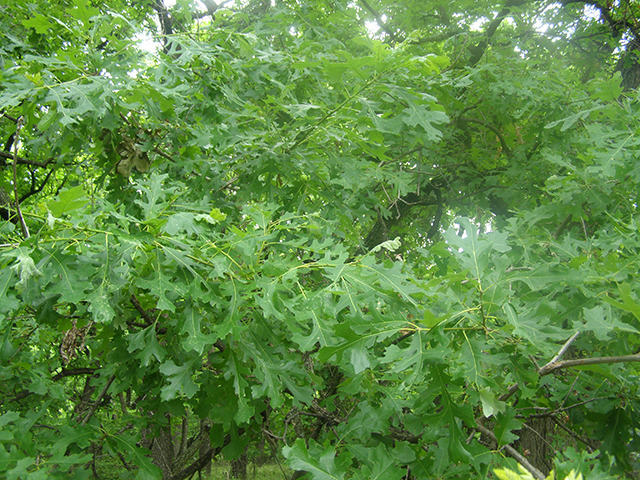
{"points": [[564, 348], [184, 430], [72, 372], [579, 362], [586, 441], [477, 51], [162, 154]]}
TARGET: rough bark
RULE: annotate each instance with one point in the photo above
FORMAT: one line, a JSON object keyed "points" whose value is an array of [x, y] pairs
{"points": [[535, 443]]}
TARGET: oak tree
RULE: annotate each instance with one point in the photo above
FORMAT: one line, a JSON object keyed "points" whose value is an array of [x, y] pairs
{"points": [[386, 239]]}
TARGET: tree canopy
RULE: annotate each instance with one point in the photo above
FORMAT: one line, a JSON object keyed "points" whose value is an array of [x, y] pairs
{"points": [[391, 239]]}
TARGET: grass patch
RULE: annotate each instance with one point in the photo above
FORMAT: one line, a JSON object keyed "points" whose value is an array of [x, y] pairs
{"points": [[110, 468]]}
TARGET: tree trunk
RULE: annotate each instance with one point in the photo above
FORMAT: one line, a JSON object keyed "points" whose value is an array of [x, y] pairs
{"points": [[536, 443], [239, 467]]}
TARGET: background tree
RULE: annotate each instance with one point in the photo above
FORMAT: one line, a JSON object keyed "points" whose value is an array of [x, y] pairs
{"points": [[392, 239]]}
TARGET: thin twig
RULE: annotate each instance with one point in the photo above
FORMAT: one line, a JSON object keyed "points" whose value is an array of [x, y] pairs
{"points": [[16, 141], [93, 467], [124, 462], [73, 372], [184, 430], [552, 413], [162, 154], [586, 441]]}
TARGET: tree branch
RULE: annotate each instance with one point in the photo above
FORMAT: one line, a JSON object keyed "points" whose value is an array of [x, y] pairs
{"points": [[477, 51], [143, 313], [586, 441], [552, 367], [34, 190], [94, 407], [166, 25], [72, 372], [24, 161], [184, 430], [380, 22], [564, 348], [23, 225], [495, 130], [202, 460]]}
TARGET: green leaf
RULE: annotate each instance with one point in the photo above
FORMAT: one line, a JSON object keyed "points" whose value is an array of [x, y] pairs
{"points": [[357, 347], [8, 301], [147, 343], [390, 245], [67, 280], [79, 435], [420, 115], [490, 404], [505, 424], [569, 121], [195, 340], [24, 267], [82, 13], [160, 284], [318, 461], [506, 474], [155, 192], [180, 378], [181, 222], [311, 312], [139, 456], [68, 200], [535, 328], [629, 303], [602, 322], [100, 305], [39, 22], [377, 463]]}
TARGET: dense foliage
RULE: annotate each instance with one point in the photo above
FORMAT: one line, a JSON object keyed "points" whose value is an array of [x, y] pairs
{"points": [[387, 239]]}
